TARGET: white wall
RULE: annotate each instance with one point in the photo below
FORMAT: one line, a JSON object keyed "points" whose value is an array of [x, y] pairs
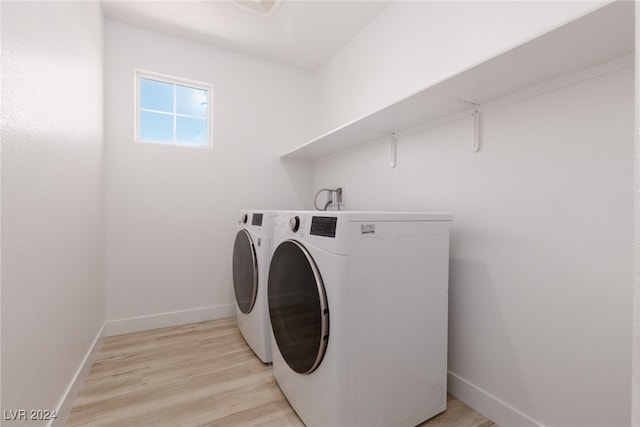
{"points": [[172, 211], [542, 246], [541, 253], [412, 44], [52, 198]]}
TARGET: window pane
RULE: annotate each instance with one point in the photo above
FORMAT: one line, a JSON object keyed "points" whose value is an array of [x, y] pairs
{"points": [[155, 95], [191, 101], [191, 131], [156, 127]]}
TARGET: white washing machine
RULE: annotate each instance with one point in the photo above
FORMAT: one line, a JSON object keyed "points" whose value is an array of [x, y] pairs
{"points": [[358, 306], [251, 258]]}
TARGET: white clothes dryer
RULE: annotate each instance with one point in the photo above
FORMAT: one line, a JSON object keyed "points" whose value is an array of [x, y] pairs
{"points": [[251, 258], [358, 307]]}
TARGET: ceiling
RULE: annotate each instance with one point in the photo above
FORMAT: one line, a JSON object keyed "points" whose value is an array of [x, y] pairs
{"points": [[300, 33]]}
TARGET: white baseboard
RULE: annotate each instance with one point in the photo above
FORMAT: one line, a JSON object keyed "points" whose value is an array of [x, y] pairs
{"points": [[488, 405], [162, 320], [68, 399]]}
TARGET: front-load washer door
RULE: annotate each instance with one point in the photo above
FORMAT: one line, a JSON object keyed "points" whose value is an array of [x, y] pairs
{"points": [[245, 271], [298, 307]]}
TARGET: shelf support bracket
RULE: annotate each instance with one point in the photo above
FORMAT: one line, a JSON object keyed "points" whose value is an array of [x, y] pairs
{"points": [[394, 150], [476, 128], [475, 113]]}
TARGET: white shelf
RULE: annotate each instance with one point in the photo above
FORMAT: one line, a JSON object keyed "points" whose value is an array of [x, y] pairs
{"points": [[601, 36]]}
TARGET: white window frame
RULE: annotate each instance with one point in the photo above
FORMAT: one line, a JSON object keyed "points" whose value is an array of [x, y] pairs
{"points": [[175, 81]]}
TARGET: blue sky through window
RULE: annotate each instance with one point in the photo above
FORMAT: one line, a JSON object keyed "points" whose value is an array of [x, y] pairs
{"points": [[155, 95], [172, 113], [191, 101], [156, 127]]}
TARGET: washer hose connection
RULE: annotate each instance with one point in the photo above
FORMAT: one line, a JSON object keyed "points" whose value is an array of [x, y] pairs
{"points": [[329, 191]]}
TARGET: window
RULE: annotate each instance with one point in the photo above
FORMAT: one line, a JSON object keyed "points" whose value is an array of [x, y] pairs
{"points": [[170, 110]]}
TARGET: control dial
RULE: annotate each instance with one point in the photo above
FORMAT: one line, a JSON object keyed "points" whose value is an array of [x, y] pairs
{"points": [[294, 223], [244, 218]]}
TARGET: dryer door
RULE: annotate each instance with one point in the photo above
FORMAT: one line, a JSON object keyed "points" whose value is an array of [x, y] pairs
{"points": [[298, 307], [245, 271]]}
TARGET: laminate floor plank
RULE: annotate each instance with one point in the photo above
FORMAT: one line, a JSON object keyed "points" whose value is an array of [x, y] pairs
{"points": [[197, 375]]}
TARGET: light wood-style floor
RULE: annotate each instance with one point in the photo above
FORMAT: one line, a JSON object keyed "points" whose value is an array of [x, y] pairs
{"points": [[201, 374]]}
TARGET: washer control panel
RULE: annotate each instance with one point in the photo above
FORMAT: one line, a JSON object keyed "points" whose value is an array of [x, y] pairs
{"points": [[256, 219], [323, 226]]}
